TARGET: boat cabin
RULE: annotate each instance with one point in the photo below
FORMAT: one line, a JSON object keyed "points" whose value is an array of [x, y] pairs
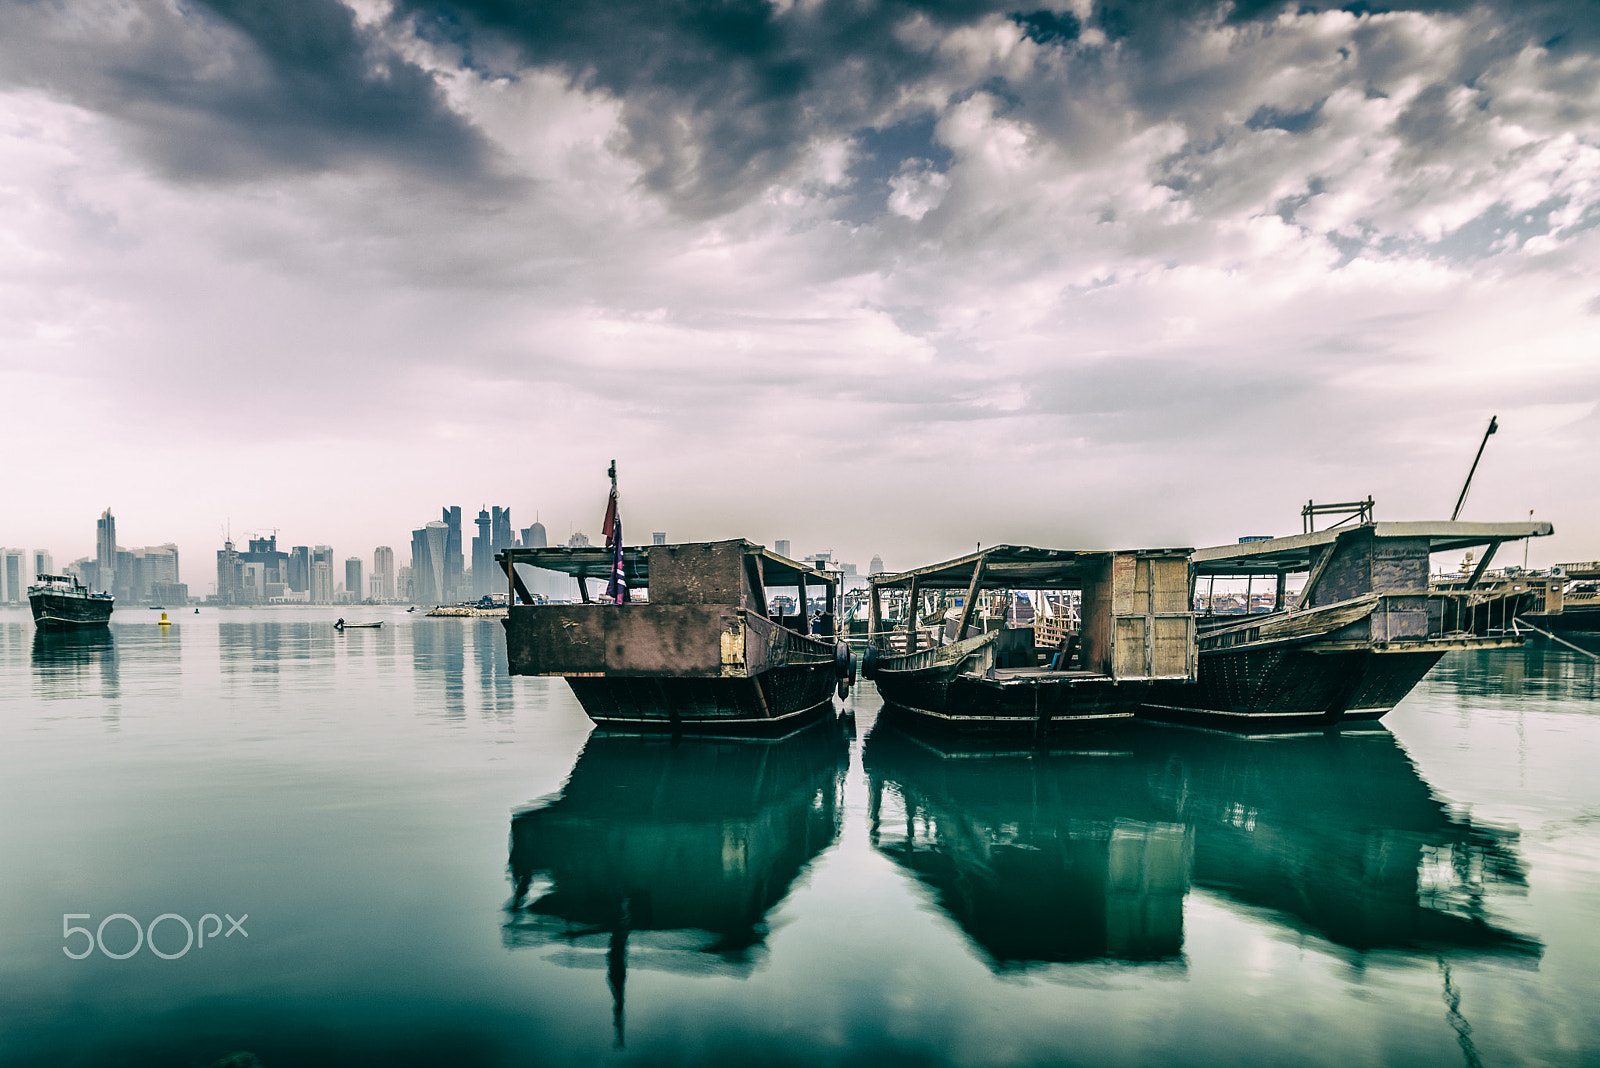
{"points": [[692, 609], [1133, 616], [1388, 562]]}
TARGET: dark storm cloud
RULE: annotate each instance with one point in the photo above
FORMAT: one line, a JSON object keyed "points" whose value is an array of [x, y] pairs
{"points": [[720, 98], [231, 89]]}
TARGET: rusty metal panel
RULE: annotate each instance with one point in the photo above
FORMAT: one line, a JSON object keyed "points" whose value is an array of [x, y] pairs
{"points": [[555, 639], [1348, 573], [698, 573], [662, 640], [1399, 564], [667, 640]]}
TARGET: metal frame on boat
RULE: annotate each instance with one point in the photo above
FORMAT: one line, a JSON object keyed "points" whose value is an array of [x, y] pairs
{"points": [[1137, 626], [1362, 631], [705, 653]]}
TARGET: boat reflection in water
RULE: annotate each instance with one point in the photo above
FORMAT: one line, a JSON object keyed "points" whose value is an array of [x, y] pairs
{"points": [[75, 663], [1057, 855], [669, 853], [1041, 855]]}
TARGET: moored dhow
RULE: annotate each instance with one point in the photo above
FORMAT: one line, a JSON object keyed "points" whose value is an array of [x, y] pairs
{"points": [[1362, 631], [61, 602], [1567, 600], [708, 651], [1134, 625]]}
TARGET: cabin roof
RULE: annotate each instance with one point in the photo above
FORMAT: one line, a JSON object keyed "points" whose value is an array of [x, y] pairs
{"points": [[594, 562], [1015, 567], [1296, 552]]}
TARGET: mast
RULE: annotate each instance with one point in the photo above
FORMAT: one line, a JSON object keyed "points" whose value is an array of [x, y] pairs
{"points": [[1461, 500]]}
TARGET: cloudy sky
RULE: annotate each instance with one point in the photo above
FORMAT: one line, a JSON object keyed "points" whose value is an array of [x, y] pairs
{"points": [[874, 276]]}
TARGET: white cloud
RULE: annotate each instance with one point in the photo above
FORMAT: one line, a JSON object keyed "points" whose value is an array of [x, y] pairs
{"points": [[1145, 297]]}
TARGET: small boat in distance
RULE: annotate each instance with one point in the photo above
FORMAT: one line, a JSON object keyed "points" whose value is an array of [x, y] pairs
{"points": [[342, 625], [62, 602]]}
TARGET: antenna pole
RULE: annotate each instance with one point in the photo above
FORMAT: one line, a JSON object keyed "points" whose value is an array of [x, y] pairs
{"points": [[1461, 500]]}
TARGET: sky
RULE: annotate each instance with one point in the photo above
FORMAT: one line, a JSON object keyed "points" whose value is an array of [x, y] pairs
{"points": [[869, 275]]}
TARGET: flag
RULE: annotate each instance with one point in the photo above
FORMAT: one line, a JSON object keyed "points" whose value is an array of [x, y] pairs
{"points": [[617, 588]]}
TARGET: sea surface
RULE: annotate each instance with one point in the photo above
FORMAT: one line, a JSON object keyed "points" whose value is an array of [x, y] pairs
{"points": [[396, 854]]}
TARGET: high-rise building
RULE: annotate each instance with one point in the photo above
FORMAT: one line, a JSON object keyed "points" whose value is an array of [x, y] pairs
{"points": [[43, 563], [782, 548], [876, 567], [534, 537], [658, 538], [402, 583], [14, 578], [383, 573], [428, 552], [352, 578], [454, 565], [105, 550], [482, 554], [140, 570], [274, 565], [230, 575], [322, 574], [299, 574], [504, 536]]}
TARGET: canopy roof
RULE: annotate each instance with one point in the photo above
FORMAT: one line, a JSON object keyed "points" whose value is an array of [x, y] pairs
{"points": [[595, 562], [1297, 552], [1016, 567]]}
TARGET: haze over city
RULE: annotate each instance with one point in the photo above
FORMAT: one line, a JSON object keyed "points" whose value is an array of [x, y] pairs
{"points": [[876, 278]]}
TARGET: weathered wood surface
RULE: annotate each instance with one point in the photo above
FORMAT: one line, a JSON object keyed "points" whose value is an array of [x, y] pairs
{"points": [[673, 640]]}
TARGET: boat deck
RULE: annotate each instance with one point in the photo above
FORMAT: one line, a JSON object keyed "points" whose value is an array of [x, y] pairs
{"points": [[1043, 674]]}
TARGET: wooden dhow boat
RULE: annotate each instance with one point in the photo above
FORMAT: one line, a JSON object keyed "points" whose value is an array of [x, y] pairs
{"points": [[1362, 631], [1136, 626], [707, 652], [61, 602]]}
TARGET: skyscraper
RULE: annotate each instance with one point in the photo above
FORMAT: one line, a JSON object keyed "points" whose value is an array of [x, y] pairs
{"points": [[13, 575], [352, 578], [299, 575], [534, 537], [781, 548], [230, 574], [322, 574], [105, 551], [450, 589], [482, 555], [428, 549], [43, 563], [504, 536], [658, 538], [383, 572]]}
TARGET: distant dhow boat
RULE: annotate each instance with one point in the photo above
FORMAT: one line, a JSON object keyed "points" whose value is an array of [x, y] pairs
{"points": [[61, 602]]}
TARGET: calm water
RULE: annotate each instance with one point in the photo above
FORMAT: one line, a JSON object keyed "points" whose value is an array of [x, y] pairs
{"points": [[440, 865]]}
